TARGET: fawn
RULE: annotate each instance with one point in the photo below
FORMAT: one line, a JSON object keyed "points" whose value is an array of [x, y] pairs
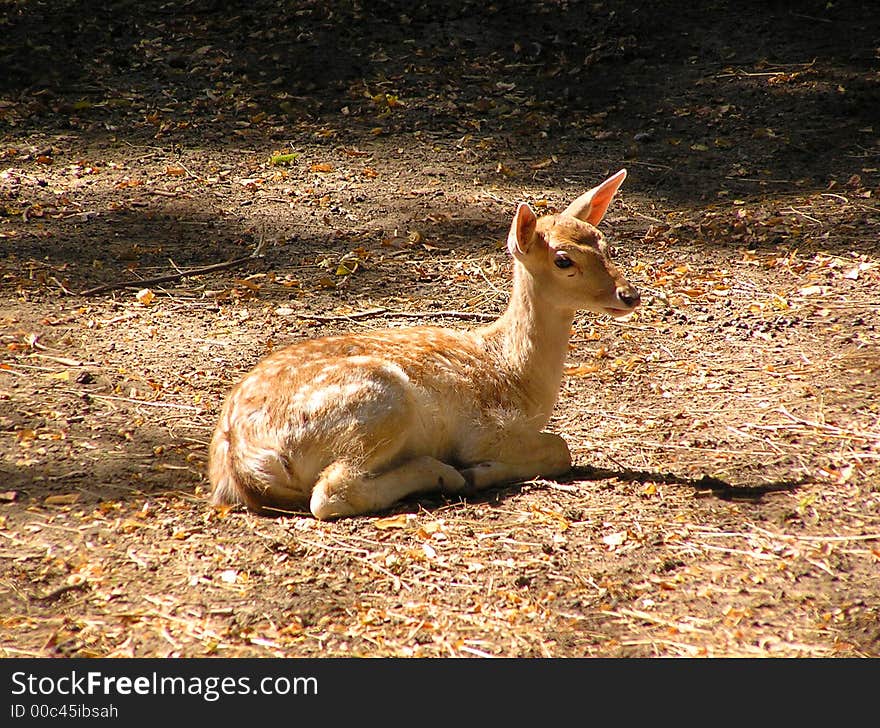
{"points": [[350, 424]]}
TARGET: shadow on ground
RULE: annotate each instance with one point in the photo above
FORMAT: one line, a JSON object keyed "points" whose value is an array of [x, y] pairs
{"points": [[701, 108]]}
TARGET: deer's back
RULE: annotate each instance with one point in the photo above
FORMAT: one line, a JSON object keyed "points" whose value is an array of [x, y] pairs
{"points": [[317, 396], [443, 361]]}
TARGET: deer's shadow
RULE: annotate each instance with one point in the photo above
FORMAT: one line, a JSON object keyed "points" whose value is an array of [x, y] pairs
{"points": [[718, 487], [586, 474], [497, 495]]}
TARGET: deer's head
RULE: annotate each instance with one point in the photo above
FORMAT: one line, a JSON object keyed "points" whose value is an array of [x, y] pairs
{"points": [[568, 257]]}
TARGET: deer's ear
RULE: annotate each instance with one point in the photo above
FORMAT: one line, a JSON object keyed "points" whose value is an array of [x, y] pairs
{"points": [[522, 231], [591, 206]]}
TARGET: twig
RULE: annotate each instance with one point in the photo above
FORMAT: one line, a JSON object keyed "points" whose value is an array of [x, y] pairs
{"points": [[58, 283], [817, 539], [655, 619], [260, 247], [185, 169], [495, 197], [489, 283], [396, 580], [683, 647], [167, 193], [649, 217], [63, 360], [746, 74], [166, 278], [778, 68], [835, 197], [142, 401], [399, 314], [651, 165], [813, 18], [58, 591], [475, 652], [759, 181], [803, 214], [865, 435], [447, 314], [346, 316], [740, 552]]}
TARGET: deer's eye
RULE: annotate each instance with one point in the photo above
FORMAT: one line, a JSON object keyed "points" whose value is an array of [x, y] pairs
{"points": [[562, 261]]}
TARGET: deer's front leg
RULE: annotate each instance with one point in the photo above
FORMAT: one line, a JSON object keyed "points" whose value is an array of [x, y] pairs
{"points": [[521, 458]]}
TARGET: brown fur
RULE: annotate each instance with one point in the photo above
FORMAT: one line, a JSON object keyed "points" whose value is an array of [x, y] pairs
{"points": [[350, 424]]}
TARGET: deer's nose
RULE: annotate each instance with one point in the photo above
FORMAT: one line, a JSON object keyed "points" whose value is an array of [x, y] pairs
{"points": [[629, 297]]}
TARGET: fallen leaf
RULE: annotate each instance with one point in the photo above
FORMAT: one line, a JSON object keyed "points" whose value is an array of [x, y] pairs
{"points": [[222, 511], [432, 530], [546, 515], [67, 499], [579, 370], [813, 291], [25, 435], [7, 496], [398, 521], [145, 296], [615, 539], [321, 167], [283, 159], [844, 475], [250, 285], [692, 292]]}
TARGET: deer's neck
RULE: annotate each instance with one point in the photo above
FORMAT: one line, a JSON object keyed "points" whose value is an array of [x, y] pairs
{"points": [[531, 342]]}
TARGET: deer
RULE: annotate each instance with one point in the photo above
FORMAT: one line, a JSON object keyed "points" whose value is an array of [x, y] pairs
{"points": [[348, 425]]}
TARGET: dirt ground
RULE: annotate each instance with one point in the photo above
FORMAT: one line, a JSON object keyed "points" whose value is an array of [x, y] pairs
{"points": [[352, 165]]}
